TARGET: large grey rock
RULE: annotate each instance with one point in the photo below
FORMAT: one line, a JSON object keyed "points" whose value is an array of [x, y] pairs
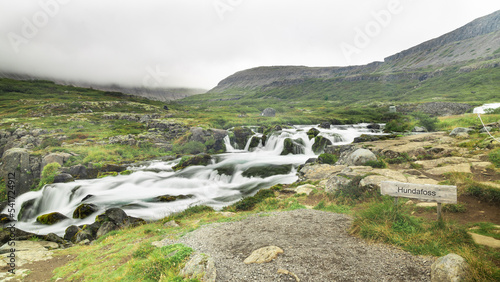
{"points": [[458, 130], [268, 112], [419, 129], [451, 267], [105, 228], [360, 157], [63, 178], [16, 166], [336, 182], [200, 265], [59, 158], [212, 138]]}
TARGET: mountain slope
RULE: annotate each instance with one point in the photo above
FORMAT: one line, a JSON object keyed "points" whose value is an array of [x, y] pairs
{"points": [[459, 56]]}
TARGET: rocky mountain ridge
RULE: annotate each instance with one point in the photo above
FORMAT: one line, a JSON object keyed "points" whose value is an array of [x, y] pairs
{"points": [[474, 45]]}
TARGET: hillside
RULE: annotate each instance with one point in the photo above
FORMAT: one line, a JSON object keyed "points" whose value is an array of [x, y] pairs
{"points": [[459, 66]]}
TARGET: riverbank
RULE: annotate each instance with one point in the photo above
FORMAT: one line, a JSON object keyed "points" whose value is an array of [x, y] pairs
{"points": [[119, 253]]}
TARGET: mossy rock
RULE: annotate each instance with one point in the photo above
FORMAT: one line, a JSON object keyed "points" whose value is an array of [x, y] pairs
{"points": [[227, 170], [312, 133], [51, 218], [266, 171], [240, 136], [254, 142], [27, 210], [292, 147], [170, 198], [200, 159], [320, 144], [84, 210], [327, 159]]}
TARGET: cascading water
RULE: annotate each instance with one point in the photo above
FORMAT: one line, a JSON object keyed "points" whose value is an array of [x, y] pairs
{"points": [[221, 183]]}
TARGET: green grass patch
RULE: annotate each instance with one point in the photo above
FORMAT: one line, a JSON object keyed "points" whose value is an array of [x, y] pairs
{"points": [[48, 174]]}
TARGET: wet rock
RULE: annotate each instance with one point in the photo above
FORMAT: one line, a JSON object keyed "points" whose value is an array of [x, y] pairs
{"points": [[266, 171], [7, 232], [373, 126], [200, 266], [312, 133], [115, 215], [84, 210], [200, 159], [295, 147], [240, 136], [51, 218], [77, 171], [56, 239], [325, 125], [320, 143], [170, 198], [365, 138], [254, 142], [451, 267], [135, 221]]}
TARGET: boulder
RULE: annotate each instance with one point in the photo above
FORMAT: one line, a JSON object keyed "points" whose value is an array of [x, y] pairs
{"points": [[240, 136], [267, 170], [135, 221], [83, 235], [17, 166], [325, 125], [336, 182], [77, 171], [312, 133], [117, 216], [51, 218], [254, 142], [105, 228], [458, 130], [360, 157], [320, 143], [59, 158], [419, 129], [268, 112], [63, 178], [69, 234], [28, 210], [213, 139], [295, 147], [170, 198], [84, 210], [451, 267], [200, 266], [200, 159], [373, 126]]}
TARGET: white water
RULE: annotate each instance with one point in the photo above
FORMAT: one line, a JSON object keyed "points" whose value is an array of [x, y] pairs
{"points": [[483, 108], [134, 193]]}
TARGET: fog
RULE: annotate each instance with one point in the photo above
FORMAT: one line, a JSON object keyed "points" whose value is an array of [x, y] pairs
{"points": [[197, 43]]}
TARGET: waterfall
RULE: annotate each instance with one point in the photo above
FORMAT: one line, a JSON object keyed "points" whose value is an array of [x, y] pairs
{"points": [[228, 179]]}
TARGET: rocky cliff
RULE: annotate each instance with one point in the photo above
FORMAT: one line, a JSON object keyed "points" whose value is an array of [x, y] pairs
{"points": [[474, 43]]}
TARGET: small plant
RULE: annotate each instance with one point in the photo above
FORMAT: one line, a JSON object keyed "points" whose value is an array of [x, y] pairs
{"points": [[495, 157], [454, 208], [48, 174], [376, 164], [326, 158]]}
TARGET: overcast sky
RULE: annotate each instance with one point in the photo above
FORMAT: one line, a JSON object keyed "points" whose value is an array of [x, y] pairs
{"points": [[197, 43]]}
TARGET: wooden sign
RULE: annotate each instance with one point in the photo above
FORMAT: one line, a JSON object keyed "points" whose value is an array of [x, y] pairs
{"points": [[423, 192]]}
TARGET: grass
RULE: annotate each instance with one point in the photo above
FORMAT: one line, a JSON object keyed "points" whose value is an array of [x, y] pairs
{"points": [[383, 222]]}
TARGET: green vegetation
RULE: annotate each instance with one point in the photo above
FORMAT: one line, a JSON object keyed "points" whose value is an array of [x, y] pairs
{"points": [[249, 203], [326, 158], [495, 157], [48, 174]]}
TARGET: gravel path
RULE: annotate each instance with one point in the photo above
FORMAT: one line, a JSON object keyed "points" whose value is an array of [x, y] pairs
{"points": [[316, 248]]}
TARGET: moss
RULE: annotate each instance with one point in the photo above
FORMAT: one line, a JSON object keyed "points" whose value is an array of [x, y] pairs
{"points": [[201, 159], [320, 143], [327, 158], [84, 210], [312, 133], [266, 171], [51, 218], [48, 174]]}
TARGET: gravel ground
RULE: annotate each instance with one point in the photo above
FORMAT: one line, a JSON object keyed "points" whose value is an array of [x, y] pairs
{"points": [[316, 247]]}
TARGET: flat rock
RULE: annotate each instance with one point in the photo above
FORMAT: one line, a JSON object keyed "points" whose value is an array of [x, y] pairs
{"points": [[29, 251], [463, 167], [305, 189], [428, 164], [485, 240], [426, 205], [262, 255], [320, 171], [200, 265]]}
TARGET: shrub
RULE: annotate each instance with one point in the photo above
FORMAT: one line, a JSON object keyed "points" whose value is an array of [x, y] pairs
{"points": [[430, 123], [326, 158], [48, 174], [495, 157], [50, 142], [397, 125], [376, 164]]}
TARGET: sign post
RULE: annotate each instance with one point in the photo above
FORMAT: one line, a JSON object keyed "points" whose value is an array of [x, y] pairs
{"points": [[424, 192]]}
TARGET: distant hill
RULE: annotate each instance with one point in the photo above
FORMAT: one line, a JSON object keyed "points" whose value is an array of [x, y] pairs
{"points": [[159, 94], [462, 65]]}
